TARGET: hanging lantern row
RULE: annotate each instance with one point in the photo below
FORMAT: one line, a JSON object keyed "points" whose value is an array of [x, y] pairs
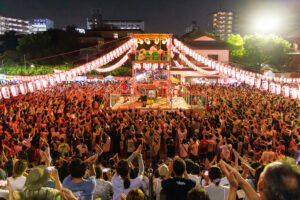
{"points": [[210, 63], [100, 61], [150, 66], [116, 65], [42, 82], [192, 65], [254, 79]]}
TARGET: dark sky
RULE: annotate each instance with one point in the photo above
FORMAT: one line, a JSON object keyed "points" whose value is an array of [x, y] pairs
{"points": [[159, 15]]}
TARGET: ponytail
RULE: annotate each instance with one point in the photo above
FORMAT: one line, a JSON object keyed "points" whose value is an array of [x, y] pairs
{"points": [[126, 182]]}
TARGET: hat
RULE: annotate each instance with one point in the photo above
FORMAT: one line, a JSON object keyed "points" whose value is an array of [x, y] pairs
{"points": [[37, 178], [2, 174], [163, 170]]}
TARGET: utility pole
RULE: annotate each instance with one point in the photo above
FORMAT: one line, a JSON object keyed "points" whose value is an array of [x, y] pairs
{"points": [[24, 64]]}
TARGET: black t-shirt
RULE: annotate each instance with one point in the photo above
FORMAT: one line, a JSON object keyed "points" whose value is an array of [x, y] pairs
{"points": [[177, 188]]}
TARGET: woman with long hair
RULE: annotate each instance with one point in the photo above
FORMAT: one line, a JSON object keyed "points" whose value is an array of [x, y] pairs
{"points": [[121, 181], [215, 190], [18, 179]]}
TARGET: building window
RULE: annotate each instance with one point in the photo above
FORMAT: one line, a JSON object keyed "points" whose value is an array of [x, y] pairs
{"points": [[215, 57], [116, 35]]}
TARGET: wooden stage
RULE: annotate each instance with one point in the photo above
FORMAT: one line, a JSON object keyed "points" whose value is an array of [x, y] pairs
{"points": [[160, 103]]}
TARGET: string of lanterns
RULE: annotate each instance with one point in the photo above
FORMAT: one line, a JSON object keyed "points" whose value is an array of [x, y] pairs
{"points": [[192, 65], [208, 61], [116, 65], [279, 85], [44, 81]]}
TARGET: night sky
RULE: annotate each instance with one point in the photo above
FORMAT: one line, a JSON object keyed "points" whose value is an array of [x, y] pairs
{"points": [[171, 16]]}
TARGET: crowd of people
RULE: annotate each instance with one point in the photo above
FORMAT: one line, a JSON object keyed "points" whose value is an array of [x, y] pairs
{"points": [[66, 143]]}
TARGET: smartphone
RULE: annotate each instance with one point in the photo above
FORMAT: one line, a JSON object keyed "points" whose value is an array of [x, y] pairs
{"points": [[206, 173], [105, 170], [50, 168], [3, 183]]}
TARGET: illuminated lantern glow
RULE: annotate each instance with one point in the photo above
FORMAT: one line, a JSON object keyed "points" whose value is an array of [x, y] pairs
{"points": [[31, 87], [63, 77], [252, 81], [74, 72], [298, 93], [52, 81], [0, 95], [278, 89], [69, 75], [38, 84], [14, 90], [57, 78], [257, 83], [272, 88], [23, 88], [294, 93], [44, 83], [286, 91], [5, 92], [265, 85]]}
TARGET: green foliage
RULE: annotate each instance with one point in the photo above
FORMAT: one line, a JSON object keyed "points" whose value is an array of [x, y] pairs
{"points": [[211, 34], [236, 45], [36, 70], [122, 71], [257, 49]]}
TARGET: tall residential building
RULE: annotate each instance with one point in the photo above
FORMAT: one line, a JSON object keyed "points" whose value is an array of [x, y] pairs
{"points": [[224, 24], [95, 20], [41, 25], [20, 26]]}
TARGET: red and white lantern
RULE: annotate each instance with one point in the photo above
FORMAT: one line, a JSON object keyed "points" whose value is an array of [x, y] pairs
{"points": [[14, 90], [5, 92], [23, 88]]}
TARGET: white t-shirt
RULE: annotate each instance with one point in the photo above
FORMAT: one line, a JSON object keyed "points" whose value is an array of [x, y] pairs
{"points": [[194, 178], [17, 183], [4, 194], [217, 192], [118, 185]]}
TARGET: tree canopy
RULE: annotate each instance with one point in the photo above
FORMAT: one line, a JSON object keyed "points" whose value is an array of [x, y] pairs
{"points": [[257, 49]]}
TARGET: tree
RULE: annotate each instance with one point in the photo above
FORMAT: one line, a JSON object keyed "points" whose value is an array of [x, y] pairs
{"points": [[253, 50], [266, 49], [236, 45]]}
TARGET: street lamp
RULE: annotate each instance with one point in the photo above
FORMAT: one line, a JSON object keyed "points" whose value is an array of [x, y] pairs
{"points": [[267, 25]]}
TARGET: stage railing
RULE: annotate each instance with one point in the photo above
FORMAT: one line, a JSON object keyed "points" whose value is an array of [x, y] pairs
{"points": [[195, 100], [115, 95]]}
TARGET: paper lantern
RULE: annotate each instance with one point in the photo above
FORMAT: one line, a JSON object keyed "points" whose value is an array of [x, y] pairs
{"points": [[57, 78], [62, 76], [257, 83], [14, 90], [0, 95], [265, 85], [272, 88], [5, 92], [31, 87], [38, 84], [52, 81], [286, 91], [251, 82], [294, 93], [23, 88], [298, 93], [278, 89], [44, 83]]}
